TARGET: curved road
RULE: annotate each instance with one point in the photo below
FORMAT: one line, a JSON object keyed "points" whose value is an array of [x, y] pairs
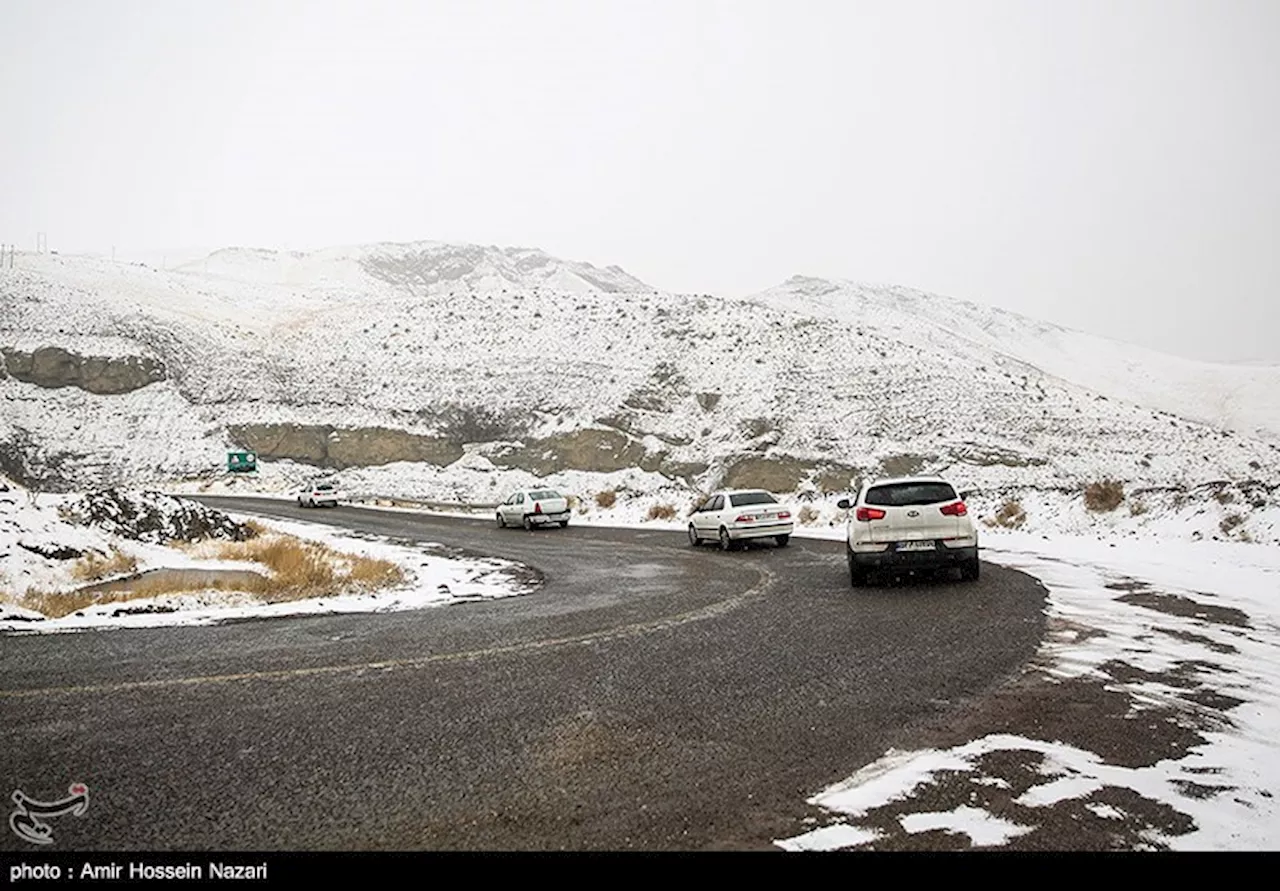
{"points": [[647, 695]]}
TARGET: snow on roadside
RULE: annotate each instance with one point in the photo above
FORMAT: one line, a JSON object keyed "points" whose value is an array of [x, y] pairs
{"points": [[434, 576], [1191, 627]]}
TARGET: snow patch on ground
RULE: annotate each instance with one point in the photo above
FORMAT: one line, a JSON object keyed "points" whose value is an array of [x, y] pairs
{"points": [[1119, 606], [435, 577]]}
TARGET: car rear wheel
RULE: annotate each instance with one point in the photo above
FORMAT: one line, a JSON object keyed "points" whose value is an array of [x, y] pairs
{"points": [[726, 543], [857, 574], [502, 524], [694, 540], [564, 524], [970, 571], [782, 540], [528, 524]]}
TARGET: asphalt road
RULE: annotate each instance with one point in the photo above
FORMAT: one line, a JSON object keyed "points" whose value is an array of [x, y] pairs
{"points": [[646, 696]]}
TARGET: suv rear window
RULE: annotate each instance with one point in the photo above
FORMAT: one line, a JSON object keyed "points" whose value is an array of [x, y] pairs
{"points": [[903, 494], [746, 498], [543, 493]]}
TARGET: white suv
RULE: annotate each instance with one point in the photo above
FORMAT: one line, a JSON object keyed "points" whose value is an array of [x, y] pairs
{"points": [[909, 523], [733, 516], [319, 495]]}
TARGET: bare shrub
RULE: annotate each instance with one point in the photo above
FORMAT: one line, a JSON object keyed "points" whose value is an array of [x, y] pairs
{"points": [[661, 512], [1010, 515], [808, 515], [1229, 522], [607, 498], [1104, 496], [1137, 507]]}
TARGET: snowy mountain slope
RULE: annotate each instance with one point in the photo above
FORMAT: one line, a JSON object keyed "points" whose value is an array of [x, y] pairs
{"points": [[424, 267], [692, 389], [1241, 397]]}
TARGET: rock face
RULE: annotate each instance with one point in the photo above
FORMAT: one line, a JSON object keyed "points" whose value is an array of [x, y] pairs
{"points": [[53, 367], [786, 474], [595, 451], [322, 445], [152, 517], [601, 451]]}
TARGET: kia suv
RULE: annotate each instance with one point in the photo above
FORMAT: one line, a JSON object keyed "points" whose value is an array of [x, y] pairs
{"points": [[909, 523]]}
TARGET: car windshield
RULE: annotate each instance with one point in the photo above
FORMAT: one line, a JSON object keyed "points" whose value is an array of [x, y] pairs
{"points": [[903, 494], [542, 494], [324, 487], [744, 498]]}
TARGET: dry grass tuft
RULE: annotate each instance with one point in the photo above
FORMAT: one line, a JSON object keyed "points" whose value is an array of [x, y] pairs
{"points": [[1104, 496], [1009, 516], [808, 515], [661, 512], [297, 570], [1137, 507], [255, 528], [94, 566], [607, 498]]}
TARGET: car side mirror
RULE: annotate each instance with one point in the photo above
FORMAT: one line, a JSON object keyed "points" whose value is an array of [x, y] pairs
{"points": [[843, 504]]}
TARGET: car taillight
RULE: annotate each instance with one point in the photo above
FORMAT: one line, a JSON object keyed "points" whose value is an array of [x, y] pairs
{"points": [[537, 507], [745, 518], [784, 515], [866, 514], [954, 510]]}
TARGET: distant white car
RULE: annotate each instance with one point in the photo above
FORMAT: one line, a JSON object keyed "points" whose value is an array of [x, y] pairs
{"points": [[917, 522], [736, 515], [319, 495], [534, 507]]}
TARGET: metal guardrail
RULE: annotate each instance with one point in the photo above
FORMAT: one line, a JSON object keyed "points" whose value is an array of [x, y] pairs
{"points": [[397, 501]]}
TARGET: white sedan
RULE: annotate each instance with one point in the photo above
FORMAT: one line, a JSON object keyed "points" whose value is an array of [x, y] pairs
{"points": [[734, 516], [534, 507]]}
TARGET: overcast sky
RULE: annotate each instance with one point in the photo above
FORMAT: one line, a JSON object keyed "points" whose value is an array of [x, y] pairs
{"points": [[1113, 166]]}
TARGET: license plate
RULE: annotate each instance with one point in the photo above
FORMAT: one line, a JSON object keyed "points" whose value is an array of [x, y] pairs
{"points": [[915, 546]]}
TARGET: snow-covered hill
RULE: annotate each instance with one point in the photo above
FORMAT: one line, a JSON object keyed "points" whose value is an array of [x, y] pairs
{"points": [[424, 267], [455, 372], [1238, 396]]}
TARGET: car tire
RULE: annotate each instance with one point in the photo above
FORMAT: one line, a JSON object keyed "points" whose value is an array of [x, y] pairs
{"points": [[694, 540], [782, 540], [564, 524], [528, 524], [857, 576], [502, 524], [726, 543], [971, 570]]}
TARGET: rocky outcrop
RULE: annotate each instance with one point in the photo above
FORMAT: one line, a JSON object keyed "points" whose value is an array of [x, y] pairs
{"points": [[595, 451], [786, 474], [53, 367], [598, 451], [153, 517], [323, 445]]}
